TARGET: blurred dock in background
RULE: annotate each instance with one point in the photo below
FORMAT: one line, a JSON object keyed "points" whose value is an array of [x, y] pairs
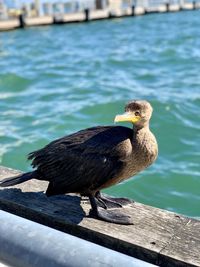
{"points": [[20, 14]]}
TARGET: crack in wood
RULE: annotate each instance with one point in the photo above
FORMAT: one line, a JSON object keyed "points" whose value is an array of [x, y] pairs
{"points": [[177, 229]]}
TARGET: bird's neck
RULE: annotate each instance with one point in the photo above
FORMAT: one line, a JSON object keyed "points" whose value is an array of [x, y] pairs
{"points": [[143, 139], [140, 132], [144, 142]]}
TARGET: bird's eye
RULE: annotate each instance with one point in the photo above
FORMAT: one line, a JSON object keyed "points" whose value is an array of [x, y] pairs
{"points": [[137, 113]]}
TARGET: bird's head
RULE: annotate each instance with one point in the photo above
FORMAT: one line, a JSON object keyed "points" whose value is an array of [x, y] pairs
{"points": [[137, 112]]}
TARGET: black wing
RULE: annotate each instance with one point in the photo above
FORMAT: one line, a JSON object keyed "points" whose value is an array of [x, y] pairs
{"points": [[84, 160]]}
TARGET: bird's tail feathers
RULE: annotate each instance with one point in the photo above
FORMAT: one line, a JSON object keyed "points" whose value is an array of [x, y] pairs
{"points": [[18, 179]]}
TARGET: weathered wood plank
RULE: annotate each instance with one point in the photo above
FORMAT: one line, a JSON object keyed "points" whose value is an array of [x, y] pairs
{"points": [[157, 236], [9, 24], [37, 21]]}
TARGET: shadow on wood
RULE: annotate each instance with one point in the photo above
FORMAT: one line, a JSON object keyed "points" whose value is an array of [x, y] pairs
{"points": [[62, 206]]}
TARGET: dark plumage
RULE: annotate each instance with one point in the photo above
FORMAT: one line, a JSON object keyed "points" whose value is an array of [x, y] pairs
{"points": [[95, 158]]}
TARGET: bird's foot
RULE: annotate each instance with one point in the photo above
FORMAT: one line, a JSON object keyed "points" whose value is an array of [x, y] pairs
{"points": [[108, 216], [111, 216], [105, 201]]}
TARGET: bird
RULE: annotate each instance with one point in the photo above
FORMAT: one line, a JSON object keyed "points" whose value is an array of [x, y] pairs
{"points": [[92, 159]]}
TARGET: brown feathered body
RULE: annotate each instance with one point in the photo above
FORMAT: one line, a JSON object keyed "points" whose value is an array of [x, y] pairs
{"points": [[94, 158]]}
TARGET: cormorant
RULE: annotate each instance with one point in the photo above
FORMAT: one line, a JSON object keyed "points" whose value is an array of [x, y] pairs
{"points": [[92, 159]]}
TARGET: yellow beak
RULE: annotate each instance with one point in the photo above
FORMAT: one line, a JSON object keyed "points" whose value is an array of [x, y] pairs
{"points": [[127, 116]]}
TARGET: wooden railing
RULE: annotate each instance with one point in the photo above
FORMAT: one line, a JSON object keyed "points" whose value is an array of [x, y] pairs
{"points": [[157, 236]]}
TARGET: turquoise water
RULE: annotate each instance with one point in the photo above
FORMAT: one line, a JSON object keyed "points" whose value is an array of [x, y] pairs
{"points": [[59, 79]]}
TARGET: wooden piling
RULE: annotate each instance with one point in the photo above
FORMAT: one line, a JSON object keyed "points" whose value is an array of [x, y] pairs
{"points": [[21, 21], [157, 236], [167, 7], [87, 14], [133, 10]]}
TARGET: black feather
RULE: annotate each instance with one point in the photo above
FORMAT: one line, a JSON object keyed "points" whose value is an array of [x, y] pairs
{"points": [[21, 178]]}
